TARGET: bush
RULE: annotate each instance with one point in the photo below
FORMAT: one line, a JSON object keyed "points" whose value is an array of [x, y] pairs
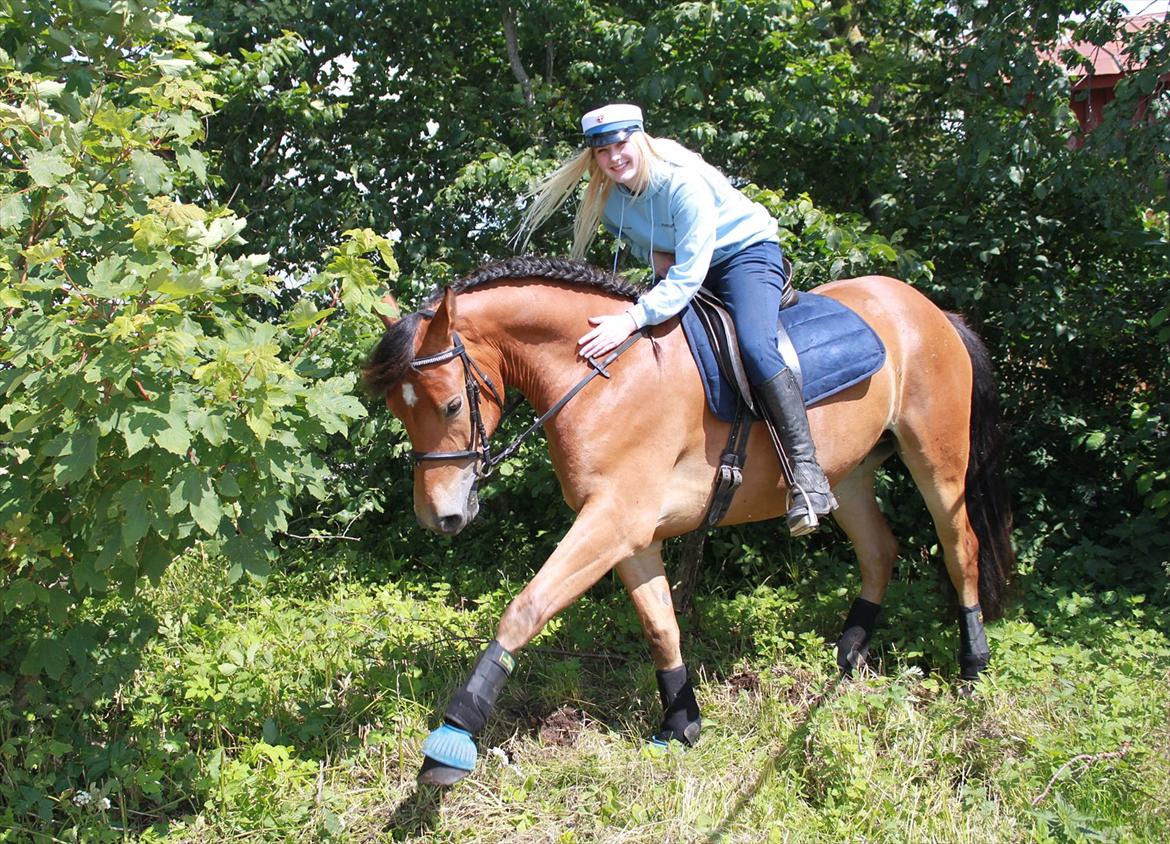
{"points": [[147, 407]]}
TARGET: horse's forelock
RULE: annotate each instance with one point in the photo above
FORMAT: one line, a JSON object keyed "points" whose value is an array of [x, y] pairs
{"points": [[390, 360]]}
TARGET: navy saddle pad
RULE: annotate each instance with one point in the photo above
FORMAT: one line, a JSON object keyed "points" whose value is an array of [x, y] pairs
{"points": [[837, 349]]}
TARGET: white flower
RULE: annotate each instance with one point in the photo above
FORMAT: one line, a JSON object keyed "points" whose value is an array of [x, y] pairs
{"points": [[82, 798], [104, 803], [500, 756]]}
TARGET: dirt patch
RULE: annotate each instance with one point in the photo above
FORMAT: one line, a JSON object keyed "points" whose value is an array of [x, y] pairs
{"points": [[744, 681], [795, 686], [563, 727]]}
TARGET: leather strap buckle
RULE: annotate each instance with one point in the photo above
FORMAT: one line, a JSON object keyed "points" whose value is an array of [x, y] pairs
{"points": [[730, 476]]}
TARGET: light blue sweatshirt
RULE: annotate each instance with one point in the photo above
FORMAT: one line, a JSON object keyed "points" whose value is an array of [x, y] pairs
{"points": [[691, 209]]}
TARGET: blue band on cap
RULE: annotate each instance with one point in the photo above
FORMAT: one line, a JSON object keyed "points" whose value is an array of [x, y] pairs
{"points": [[609, 135]]}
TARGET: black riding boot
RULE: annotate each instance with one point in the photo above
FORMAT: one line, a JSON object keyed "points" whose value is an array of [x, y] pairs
{"points": [[809, 495]]}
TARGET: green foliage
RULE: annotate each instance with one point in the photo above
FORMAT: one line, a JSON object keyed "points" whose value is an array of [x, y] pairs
{"points": [[146, 408], [295, 708], [169, 388]]}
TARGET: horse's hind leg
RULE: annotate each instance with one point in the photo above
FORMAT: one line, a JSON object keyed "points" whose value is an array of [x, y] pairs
{"points": [[876, 549], [645, 579], [937, 460]]}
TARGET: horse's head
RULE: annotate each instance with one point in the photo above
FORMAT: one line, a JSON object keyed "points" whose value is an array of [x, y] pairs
{"points": [[427, 385]]}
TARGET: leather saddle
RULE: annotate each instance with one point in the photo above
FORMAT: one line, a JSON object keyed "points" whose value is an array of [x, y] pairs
{"points": [[837, 349], [720, 330]]}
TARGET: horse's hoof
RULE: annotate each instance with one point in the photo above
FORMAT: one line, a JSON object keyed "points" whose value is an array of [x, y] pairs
{"points": [[852, 660], [852, 650], [688, 738], [436, 773], [967, 687], [450, 756]]}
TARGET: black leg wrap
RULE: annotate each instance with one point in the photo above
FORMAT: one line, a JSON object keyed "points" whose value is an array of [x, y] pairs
{"points": [[680, 719], [855, 635], [974, 653], [471, 705]]}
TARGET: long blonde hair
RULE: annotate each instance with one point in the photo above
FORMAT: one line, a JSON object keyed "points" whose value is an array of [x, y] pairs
{"points": [[551, 192]]}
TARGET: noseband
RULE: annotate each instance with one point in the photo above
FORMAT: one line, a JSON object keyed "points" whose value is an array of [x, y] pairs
{"points": [[485, 461]]}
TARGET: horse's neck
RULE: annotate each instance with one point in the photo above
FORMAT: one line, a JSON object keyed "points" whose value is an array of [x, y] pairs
{"points": [[533, 327]]}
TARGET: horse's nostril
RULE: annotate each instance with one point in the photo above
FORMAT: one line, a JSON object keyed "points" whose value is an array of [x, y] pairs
{"points": [[451, 524]]}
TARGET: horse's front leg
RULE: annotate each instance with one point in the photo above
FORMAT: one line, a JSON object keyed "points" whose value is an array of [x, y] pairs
{"points": [[645, 579], [602, 536]]}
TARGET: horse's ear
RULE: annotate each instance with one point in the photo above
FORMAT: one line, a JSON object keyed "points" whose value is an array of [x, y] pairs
{"points": [[388, 310], [438, 335]]}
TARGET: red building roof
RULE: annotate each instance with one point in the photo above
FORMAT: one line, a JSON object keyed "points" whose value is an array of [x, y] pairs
{"points": [[1108, 60], [1092, 90]]}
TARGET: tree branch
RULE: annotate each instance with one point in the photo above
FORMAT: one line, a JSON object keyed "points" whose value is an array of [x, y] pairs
{"points": [[320, 537], [1084, 760], [514, 55]]}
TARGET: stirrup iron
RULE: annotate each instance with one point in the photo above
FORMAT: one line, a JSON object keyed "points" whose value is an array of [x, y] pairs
{"points": [[806, 524]]}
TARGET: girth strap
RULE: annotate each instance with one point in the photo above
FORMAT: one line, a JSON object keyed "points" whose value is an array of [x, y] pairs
{"points": [[729, 476]]}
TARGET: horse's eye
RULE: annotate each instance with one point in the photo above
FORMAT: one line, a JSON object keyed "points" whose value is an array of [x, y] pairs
{"points": [[453, 407]]}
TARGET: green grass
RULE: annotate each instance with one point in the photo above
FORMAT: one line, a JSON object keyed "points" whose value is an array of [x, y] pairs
{"points": [[294, 711]]}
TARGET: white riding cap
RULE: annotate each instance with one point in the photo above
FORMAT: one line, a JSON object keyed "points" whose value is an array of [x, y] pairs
{"points": [[611, 124]]}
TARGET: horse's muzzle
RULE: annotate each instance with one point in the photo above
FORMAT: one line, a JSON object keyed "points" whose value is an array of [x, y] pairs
{"points": [[451, 523]]}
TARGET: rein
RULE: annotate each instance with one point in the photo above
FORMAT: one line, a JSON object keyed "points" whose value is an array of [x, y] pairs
{"points": [[486, 462]]}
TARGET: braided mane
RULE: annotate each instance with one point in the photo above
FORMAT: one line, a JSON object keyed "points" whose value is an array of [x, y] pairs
{"points": [[554, 269], [389, 362]]}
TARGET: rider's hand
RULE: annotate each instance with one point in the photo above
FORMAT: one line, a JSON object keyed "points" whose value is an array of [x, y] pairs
{"points": [[608, 334], [663, 261]]}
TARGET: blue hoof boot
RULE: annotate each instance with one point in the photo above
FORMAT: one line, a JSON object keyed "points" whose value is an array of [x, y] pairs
{"points": [[667, 741], [450, 756]]}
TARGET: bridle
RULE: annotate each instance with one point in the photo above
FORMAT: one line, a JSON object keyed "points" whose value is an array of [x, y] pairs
{"points": [[485, 461], [478, 431]]}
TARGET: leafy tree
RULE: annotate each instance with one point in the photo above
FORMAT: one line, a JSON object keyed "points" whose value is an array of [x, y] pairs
{"points": [[167, 385], [146, 408], [932, 138]]}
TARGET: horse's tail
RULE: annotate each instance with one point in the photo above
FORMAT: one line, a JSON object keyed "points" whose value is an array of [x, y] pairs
{"points": [[988, 503]]}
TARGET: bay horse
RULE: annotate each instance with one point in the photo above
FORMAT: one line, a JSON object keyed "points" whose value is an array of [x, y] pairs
{"points": [[636, 456]]}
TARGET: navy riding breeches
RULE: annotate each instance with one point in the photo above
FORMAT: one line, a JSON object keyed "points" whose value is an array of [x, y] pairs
{"points": [[751, 283]]}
